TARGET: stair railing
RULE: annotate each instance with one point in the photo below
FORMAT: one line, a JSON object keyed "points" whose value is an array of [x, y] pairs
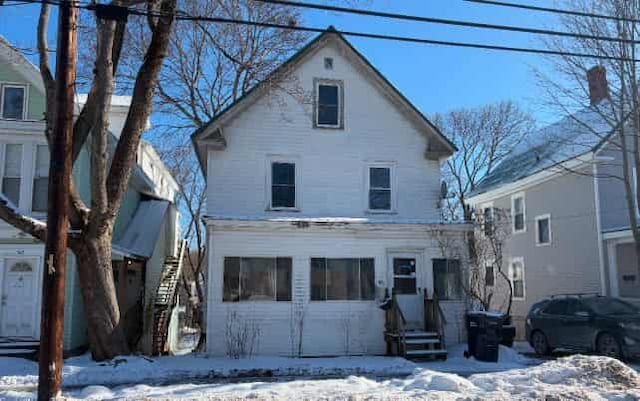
{"points": [[434, 318], [395, 324]]}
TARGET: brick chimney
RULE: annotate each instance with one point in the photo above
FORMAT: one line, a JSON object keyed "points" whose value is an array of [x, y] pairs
{"points": [[598, 86]]}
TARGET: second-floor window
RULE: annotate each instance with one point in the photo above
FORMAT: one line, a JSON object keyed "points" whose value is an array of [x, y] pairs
{"points": [[328, 104], [12, 101], [518, 213], [283, 185], [12, 173], [543, 230], [380, 191], [40, 179]]}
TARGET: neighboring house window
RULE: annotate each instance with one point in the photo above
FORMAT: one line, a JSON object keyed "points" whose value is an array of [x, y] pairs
{"points": [[447, 279], [13, 101], [12, 172], [342, 279], [380, 191], [487, 220], [328, 104], [518, 213], [489, 276], [41, 179], [256, 279], [283, 185], [543, 230], [516, 276]]}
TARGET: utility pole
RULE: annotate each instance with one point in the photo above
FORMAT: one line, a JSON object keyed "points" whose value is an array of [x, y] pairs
{"points": [[52, 323]]}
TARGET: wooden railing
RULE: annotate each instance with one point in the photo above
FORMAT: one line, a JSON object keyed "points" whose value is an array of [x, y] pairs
{"points": [[395, 327], [434, 319]]}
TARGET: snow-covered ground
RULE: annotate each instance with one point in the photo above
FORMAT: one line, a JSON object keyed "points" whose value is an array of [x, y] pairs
{"points": [[196, 377]]}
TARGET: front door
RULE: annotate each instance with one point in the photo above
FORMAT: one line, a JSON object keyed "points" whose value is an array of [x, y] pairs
{"points": [[407, 279], [18, 302]]}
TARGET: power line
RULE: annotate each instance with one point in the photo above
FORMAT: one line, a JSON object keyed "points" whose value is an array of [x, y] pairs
{"points": [[469, 24], [181, 16], [553, 10]]}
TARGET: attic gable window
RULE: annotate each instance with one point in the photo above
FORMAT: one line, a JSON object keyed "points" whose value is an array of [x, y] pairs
{"points": [[328, 111], [13, 101]]}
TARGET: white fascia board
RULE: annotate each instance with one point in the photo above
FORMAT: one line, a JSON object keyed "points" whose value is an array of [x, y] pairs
{"points": [[534, 179]]}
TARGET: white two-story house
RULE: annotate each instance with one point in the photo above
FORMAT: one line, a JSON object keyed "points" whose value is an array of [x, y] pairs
{"points": [[323, 191]]}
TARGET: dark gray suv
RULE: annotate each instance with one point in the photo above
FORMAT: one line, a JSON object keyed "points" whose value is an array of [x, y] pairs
{"points": [[606, 325]]}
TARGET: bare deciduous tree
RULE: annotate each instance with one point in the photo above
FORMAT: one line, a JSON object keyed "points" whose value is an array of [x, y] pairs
{"points": [[484, 137], [92, 226], [617, 122]]}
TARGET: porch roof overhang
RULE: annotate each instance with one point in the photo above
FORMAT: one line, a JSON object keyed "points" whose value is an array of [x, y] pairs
{"points": [[284, 223]]}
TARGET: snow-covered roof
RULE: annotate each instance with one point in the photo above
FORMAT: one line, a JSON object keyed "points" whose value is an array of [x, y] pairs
{"points": [[116, 100], [141, 234], [571, 137]]}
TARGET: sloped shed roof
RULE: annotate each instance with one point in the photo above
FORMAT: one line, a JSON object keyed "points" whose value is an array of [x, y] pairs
{"points": [[571, 137], [141, 234]]}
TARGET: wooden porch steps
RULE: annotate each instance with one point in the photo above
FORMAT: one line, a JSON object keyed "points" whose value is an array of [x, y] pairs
{"points": [[19, 347]]}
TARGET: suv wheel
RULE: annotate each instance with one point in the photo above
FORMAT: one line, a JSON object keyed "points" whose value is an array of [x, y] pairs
{"points": [[540, 343], [607, 345]]}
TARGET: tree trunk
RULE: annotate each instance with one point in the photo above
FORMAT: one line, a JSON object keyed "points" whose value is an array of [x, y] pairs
{"points": [[106, 334]]}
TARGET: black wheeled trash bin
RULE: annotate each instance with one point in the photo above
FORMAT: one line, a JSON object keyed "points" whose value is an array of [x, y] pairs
{"points": [[484, 330]]}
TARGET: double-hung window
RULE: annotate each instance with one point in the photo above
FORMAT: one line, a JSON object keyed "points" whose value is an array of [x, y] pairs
{"points": [[489, 275], [380, 194], [518, 213], [12, 101], [40, 179], [543, 230], [12, 172], [516, 276], [328, 112], [342, 279], [488, 217], [447, 279], [256, 279], [283, 185]]}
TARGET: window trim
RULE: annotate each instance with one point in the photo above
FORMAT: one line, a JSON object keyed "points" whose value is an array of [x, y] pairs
{"points": [[546, 216], [295, 160], [634, 173], [519, 195], [485, 206], [25, 101], [3, 155], [391, 165], [34, 166], [520, 260], [316, 92], [359, 274]]}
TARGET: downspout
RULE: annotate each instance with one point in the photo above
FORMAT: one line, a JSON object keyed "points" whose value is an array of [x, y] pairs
{"points": [[596, 190]]}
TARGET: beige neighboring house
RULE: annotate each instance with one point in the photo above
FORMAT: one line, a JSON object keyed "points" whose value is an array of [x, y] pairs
{"points": [[570, 225]]}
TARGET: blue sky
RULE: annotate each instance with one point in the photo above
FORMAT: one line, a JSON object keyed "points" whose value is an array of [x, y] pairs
{"points": [[435, 78]]}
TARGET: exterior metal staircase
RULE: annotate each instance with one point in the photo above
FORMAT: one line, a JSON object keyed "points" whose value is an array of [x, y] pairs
{"points": [[165, 300], [19, 347], [415, 344]]}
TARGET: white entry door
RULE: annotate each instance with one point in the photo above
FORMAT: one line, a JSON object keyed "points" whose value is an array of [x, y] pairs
{"points": [[407, 286], [19, 297]]}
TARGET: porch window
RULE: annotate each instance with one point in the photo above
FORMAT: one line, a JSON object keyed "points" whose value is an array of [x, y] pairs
{"points": [[518, 213], [380, 188], [447, 279], [11, 176], [13, 101], [283, 185], [516, 276], [41, 179], [342, 279], [257, 279]]}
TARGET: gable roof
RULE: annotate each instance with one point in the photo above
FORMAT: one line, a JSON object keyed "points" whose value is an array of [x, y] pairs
{"points": [[573, 136], [257, 90], [14, 57]]}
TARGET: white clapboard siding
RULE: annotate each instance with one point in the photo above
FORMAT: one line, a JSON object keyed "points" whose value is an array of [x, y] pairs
{"points": [[330, 327], [331, 163]]}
